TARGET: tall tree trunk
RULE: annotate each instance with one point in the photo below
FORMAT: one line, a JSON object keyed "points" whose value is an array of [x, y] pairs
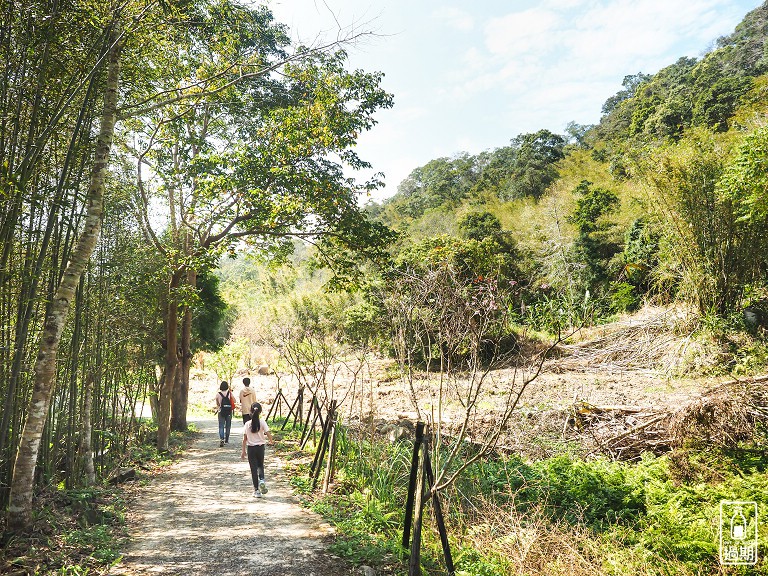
{"points": [[181, 390], [171, 363], [154, 393], [26, 303], [22, 483], [85, 449], [178, 414]]}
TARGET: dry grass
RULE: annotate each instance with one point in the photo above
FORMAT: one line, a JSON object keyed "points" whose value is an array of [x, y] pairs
{"points": [[724, 416], [654, 340], [532, 544]]}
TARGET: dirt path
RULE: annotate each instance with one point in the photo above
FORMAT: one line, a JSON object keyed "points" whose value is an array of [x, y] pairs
{"points": [[200, 518]]}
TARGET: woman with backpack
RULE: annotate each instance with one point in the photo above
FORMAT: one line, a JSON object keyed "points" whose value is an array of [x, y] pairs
{"points": [[225, 406], [255, 436]]}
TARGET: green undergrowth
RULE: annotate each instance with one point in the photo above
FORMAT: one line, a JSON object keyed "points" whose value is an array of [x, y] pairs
{"points": [[560, 515], [78, 531], [363, 501]]}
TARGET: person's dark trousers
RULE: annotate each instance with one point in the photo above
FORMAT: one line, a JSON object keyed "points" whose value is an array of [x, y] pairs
{"points": [[256, 462], [225, 425], [246, 417]]}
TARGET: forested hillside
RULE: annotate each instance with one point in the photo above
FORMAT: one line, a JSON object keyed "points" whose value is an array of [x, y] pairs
{"points": [[176, 209], [659, 202]]}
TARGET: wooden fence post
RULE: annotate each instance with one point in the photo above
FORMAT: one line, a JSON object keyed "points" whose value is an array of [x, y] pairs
{"points": [[296, 404], [277, 404], [322, 447], [421, 474], [412, 484], [300, 408], [319, 446], [331, 452], [414, 561], [314, 405], [438, 511]]}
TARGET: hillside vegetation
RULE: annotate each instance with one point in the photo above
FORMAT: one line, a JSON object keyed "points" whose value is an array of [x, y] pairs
{"points": [[579, 318], [663, 201], [663, 204]]}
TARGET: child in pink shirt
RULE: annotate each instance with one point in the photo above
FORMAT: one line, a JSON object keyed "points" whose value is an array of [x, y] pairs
{"points": [[255, 436]]}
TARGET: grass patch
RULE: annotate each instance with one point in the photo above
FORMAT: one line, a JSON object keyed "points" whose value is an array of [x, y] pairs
{"points": [[560, 516]]}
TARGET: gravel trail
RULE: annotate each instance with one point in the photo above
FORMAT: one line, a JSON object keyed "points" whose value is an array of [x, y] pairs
{"points": [[199, 517]]}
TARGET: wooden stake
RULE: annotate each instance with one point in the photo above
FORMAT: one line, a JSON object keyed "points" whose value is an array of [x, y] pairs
{"points": [[290, 410], [279, 399], [438, 512], [414, 561], [412, 485], [320, 454], [331, 452]]}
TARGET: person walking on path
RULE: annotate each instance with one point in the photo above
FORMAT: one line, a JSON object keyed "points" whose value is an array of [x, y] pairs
{"points": [[255, 436], [247, 399], [181, 520], [225, 406]]}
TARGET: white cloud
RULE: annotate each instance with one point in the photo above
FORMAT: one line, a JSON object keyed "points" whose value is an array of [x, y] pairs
{"points": [[455, 18], [522, 32], [470, 76], [532, 55], [564, 4]]}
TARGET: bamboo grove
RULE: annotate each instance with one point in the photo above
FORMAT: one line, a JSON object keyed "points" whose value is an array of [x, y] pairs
{"points": [[141, 140]]}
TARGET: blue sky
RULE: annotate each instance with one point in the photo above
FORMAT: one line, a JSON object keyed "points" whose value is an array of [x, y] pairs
{"points": [[470, 75]]}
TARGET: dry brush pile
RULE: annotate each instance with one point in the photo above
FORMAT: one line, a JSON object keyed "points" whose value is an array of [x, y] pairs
{"points": [[654, 341], [730, 416]]}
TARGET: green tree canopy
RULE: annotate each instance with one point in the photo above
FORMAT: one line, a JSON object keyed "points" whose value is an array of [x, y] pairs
{"points": [[479, 225], [594, 246], [630, 83], [534, 168]]}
